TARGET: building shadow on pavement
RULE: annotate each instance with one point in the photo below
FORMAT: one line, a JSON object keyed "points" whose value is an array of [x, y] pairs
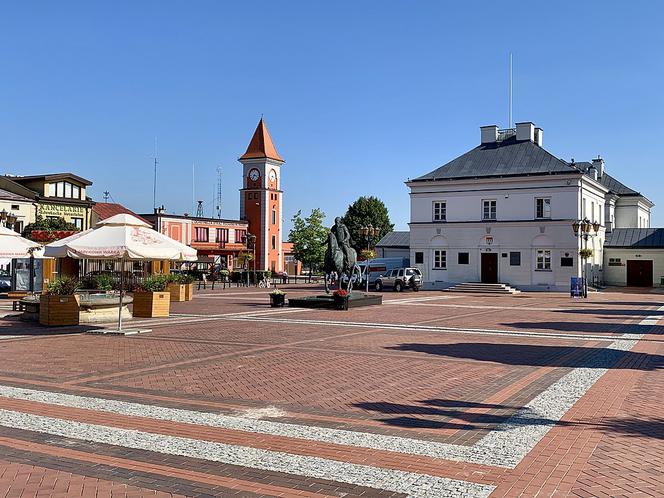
{"points": [[652, 428], [540, 355], [450, 414], [612, 311], [588, 327], [13, 326]]}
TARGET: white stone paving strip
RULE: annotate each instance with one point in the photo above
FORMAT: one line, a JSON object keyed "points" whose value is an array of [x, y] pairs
{"points": [[412, 484]]}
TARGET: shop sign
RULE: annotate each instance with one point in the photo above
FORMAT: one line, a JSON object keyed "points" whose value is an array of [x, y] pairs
{"points": [[61, 210]]}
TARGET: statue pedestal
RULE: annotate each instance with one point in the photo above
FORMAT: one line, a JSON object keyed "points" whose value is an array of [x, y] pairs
{"points": [[325, 301]]}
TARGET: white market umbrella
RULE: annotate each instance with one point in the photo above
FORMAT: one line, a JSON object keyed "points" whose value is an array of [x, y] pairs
{"points": [[122, 237], [12, 245]]}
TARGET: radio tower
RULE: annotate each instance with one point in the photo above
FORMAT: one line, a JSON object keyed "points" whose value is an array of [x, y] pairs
{"points": [[107, 194], [199, 210], [218, 198]]}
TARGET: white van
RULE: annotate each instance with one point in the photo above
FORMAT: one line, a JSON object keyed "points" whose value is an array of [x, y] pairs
{"points": [[380, 266]]}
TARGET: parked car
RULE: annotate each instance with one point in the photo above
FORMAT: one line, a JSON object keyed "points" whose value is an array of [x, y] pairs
{"points": [[5, 281], [380, 266], [400, 279]]}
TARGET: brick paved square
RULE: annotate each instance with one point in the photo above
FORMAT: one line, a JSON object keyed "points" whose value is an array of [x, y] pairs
{"points": [[472, 395]]}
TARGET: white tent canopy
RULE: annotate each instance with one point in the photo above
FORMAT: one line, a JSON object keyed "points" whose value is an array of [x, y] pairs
{"points": [[12, 245], [122, 236]]}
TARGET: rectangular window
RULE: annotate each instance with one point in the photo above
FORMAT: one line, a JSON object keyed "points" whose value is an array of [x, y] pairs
{"points": [[68, 190], [464, 258], [488, 210], [51, 189], [543, 207], [60, 189], [515, 259], [439, 211], [615, 262], [274, 242], [419, 258], [78, 222], [584, 205], [543, 260], [18, 227], [592, 211], [566, 261], [274, 216], [76, 191], [201, 234], [439, 259], [239, 235], [222, 235]]}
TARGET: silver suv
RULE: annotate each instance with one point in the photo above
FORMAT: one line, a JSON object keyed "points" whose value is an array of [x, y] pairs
{"points": [[400, 279]]}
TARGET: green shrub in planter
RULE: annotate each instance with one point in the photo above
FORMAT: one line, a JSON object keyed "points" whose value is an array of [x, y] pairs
{"points": [[104, 282], [153, 283], [277, 298], [63, 286]]}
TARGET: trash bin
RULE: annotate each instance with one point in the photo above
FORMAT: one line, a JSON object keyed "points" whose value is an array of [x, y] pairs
{"points": [[661, 281]]}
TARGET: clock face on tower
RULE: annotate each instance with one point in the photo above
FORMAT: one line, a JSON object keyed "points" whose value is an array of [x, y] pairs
{"points": [[273, 175], [254, 175]]}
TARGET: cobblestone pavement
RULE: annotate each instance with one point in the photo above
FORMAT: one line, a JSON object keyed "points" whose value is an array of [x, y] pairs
{"points": [[429, 395]]}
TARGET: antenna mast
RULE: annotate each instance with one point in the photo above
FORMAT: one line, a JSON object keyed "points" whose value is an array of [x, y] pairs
{"points": [[107, 194], [218, 198], [510, 93], [193, 186], [154, 183]]}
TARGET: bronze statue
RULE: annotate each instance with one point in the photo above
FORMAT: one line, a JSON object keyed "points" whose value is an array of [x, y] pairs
{"points": [[340, 257]]}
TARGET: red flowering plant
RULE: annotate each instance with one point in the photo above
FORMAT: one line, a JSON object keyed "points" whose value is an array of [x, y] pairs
{"points": [[340, 293]]}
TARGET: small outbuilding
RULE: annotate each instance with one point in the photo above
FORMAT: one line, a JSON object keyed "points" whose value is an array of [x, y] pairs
{"points": [[634, 257]]}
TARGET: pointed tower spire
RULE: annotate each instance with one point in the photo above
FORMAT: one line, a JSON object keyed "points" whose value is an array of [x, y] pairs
{"points": [[261, 145]]}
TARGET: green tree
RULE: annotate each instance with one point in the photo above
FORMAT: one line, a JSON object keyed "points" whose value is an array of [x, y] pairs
{"points": [[309, 237], [363, 212]]}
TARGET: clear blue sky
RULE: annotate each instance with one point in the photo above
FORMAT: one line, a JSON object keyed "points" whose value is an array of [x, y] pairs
{"points": [[373, 91]]}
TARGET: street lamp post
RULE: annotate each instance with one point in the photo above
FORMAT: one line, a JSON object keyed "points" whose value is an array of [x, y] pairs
{"points": [[250, 241], [369, 232], [585, 229]]}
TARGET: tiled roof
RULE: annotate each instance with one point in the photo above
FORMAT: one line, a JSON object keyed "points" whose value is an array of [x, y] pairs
{"points": [[261, 145], [509, 157], [107, 209], [11, 196], [643, 238], [395, 239]]}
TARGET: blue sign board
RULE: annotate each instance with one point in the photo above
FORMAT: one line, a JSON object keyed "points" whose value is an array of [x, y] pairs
{"points": [[576, 288]]}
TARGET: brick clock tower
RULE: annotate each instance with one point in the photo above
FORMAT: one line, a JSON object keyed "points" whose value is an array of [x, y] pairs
{"points": [[260, 198]]}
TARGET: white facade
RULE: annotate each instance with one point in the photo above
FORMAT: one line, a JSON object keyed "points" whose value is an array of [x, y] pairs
{"points": [[457, 225]]}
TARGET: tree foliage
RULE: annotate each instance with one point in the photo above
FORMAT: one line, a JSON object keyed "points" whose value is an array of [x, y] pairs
{"points": [[309, 238], [363, 212]]}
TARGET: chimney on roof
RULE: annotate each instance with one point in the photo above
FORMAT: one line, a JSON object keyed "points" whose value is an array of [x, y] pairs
{"points": [[489, 134], [598, 164], [592, 171], [538, 136], [525, 131]]}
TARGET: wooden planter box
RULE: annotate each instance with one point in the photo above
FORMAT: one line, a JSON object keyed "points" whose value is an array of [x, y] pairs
{"points": [[58, 310], [152, 304], [188, 292], [277, 300], [178, 292]]}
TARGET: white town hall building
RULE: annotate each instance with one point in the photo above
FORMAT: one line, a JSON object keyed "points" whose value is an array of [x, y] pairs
{"points": [[503, 212]]}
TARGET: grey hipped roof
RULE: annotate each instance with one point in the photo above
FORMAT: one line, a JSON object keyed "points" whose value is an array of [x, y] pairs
{"points": [[395, 239], [642, 238], [608, 181], [509, 157]]}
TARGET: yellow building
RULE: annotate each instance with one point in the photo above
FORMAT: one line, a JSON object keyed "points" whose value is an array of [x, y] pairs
{"points": [[59, 195], [16, 208]]}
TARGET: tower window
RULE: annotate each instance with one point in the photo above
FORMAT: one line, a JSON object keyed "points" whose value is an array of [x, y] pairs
{"points": [[274, 242], [274, 216]]}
